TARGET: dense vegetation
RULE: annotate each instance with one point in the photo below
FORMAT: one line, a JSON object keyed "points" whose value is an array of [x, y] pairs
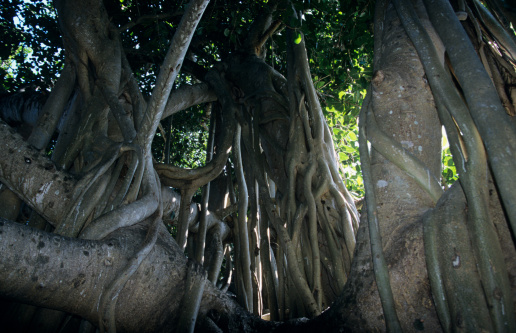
{"points": [[339, 43]]}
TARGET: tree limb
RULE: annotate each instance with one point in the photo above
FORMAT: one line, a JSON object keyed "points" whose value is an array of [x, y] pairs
{"points": [[186, 96], [33, 177], [169, 70]]}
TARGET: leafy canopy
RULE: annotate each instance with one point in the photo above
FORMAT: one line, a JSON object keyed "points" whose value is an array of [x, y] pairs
{"points": [[338, 36]]}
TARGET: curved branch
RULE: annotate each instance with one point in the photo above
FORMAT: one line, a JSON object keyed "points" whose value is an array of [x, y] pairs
{"points": [[178, 177], [186, 96], [130, 214], [194, 178]]}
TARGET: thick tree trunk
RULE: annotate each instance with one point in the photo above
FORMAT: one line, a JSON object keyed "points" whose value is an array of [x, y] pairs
{"points": [[71, 275], [403, 106]]}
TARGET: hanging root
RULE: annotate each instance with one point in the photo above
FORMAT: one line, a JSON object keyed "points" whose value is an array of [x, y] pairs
{"points": [[103, 183], [75, 218], [379, 264], [110, 296], [401, 157], [194, 288]]}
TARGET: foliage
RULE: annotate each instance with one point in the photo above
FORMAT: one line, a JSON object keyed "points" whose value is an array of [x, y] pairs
{"points": [[188, 139], [339, 43], [449, 171], [341, 81], [341, 60], [31, 52]]}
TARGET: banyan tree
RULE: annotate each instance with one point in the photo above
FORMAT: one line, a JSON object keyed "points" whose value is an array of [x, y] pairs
{"points": [[103, 227]]}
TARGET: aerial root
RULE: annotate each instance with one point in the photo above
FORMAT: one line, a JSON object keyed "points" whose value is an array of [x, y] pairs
{"points": [[110, 296], [381, 271]]}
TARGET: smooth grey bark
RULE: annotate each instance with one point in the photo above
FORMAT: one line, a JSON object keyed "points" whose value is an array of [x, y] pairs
{"points": [[403, 106], [169, 71], [33, 177], [56, 272], [493, 123], [71, 275], [187, 96]]}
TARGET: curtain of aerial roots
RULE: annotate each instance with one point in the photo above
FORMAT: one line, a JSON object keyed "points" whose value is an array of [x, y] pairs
{"points": [[466, 265], [293, 245]]}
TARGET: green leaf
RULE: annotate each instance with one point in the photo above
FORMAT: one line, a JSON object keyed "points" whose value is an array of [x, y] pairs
{"points": [[343, 157], [349, 149], [352, 136], [298, 39]]}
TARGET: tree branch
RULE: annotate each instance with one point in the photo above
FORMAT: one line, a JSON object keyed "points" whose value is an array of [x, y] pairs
{"points": [[146, 18], [52, 271], [492, 122], [33, 177], [169, 70], [70, 274], [186, 96]]}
